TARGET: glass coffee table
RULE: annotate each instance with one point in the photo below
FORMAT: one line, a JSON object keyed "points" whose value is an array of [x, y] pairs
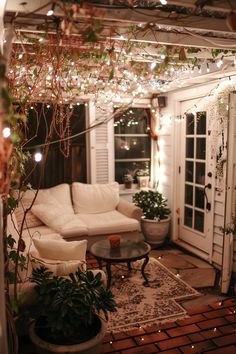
{"points": [[129, 251]]}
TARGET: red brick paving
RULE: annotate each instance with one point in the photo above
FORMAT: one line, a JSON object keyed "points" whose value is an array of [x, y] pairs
{"points": [[209, 329]]}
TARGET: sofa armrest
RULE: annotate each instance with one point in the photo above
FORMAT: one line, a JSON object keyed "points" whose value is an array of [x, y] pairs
{"points": [[129, 209]]}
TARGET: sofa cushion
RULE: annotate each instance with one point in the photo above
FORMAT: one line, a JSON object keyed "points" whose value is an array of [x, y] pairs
{"points": [[60, 194], [61, 249], [54, 216], [110, 222], [95, 198]]}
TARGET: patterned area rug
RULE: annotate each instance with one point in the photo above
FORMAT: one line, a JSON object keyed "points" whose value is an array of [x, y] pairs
{"points": [[139, 305]]}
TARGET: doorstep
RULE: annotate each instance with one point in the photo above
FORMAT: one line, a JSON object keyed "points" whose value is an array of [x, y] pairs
{"points": [[191, 269]]}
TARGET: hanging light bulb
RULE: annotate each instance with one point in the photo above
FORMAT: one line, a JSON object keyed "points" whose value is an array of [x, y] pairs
{"points": [[163, 2], [153, 65], [219, 63], [208, 69], [51, 11], [6, 132], [38, 156]]}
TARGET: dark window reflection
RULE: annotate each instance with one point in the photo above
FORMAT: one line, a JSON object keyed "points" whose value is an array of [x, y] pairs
{"points": [[188, 217], [201, 122], [122, 168], [189, 123], [199, 198], [190, 147], [132, 147], [189, 171], [188, 194], [200, 173], [133, 121], [199, 221], [201, 148]]}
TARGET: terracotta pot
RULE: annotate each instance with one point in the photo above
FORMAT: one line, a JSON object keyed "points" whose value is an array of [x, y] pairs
{"points": [[92, 346], [155, 231]]}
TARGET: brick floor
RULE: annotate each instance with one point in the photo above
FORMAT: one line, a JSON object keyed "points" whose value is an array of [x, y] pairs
{"points": [[209, 328]]}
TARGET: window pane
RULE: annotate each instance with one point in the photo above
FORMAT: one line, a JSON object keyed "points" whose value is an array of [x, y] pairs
{"points": [[132, 147], [188, 194], [188, 217], [189, 171], [199, 221], [201, 122], [122, 168], [201, 148], [200, 173], [189, 123], [133, 121], [189, 147], [199, 198]]}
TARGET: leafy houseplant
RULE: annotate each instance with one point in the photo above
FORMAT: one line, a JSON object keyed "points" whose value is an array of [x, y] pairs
{"points": [[69, 309], [156, 220], [128, 180]]}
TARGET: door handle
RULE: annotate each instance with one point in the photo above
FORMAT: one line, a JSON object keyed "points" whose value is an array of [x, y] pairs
{"points": [[208, 205]]}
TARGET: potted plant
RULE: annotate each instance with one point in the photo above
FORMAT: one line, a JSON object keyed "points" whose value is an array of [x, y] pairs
{"points": [[156, 220], [142, 178], [69, 313], [128, 180]]}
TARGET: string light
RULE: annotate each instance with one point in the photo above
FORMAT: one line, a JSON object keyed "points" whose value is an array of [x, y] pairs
{"points": [[163, 2], [6, 132], [219, 62], [38, 156], [153, 65], [208, 68]]}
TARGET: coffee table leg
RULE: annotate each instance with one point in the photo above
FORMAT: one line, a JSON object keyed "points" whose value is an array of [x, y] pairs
{"points": [[145, 283], [108, 269], [99, 263]]}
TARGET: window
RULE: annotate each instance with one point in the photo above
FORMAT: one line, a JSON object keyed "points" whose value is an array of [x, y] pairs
{"points": [[132, 142]]}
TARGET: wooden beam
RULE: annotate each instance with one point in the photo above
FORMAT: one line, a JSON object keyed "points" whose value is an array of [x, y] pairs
{"points": [[166, 19]]}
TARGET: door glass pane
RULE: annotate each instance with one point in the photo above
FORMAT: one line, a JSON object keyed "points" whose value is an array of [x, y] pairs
{"points": [[199, 198], [201, 148], [199, 221], [188, 194], [190, 147], [201, 122], [188, 217], [189, 171], [200, 173], [189, 123]]}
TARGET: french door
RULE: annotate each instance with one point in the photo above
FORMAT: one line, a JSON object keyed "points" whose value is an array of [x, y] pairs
{"points": [[194, 179]]}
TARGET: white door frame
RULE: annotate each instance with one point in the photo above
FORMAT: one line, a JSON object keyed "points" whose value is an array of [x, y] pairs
{"points": [[176, 153]]}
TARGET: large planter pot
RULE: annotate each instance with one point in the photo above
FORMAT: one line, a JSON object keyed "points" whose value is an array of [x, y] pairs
{"points": [[155, 231], [92, 346]]}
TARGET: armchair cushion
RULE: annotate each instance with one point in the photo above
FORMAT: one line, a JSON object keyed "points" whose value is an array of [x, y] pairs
{"points": [[95, 198], [61, 249]]}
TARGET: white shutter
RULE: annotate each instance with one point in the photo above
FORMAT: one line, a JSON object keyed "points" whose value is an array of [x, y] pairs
{"points": [[101, 145]]}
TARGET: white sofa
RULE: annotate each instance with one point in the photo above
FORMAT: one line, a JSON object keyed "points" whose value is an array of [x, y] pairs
{"points": [[80, 211], [77, 212]]}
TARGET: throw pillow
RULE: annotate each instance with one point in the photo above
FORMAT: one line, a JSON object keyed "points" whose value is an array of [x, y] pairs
{"points": [[25, 200], [57, 267], [52, 215], [61, 250], [95, 198]]}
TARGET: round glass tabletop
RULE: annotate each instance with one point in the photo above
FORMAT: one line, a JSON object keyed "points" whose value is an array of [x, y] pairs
{"points": [[128, 250]]}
